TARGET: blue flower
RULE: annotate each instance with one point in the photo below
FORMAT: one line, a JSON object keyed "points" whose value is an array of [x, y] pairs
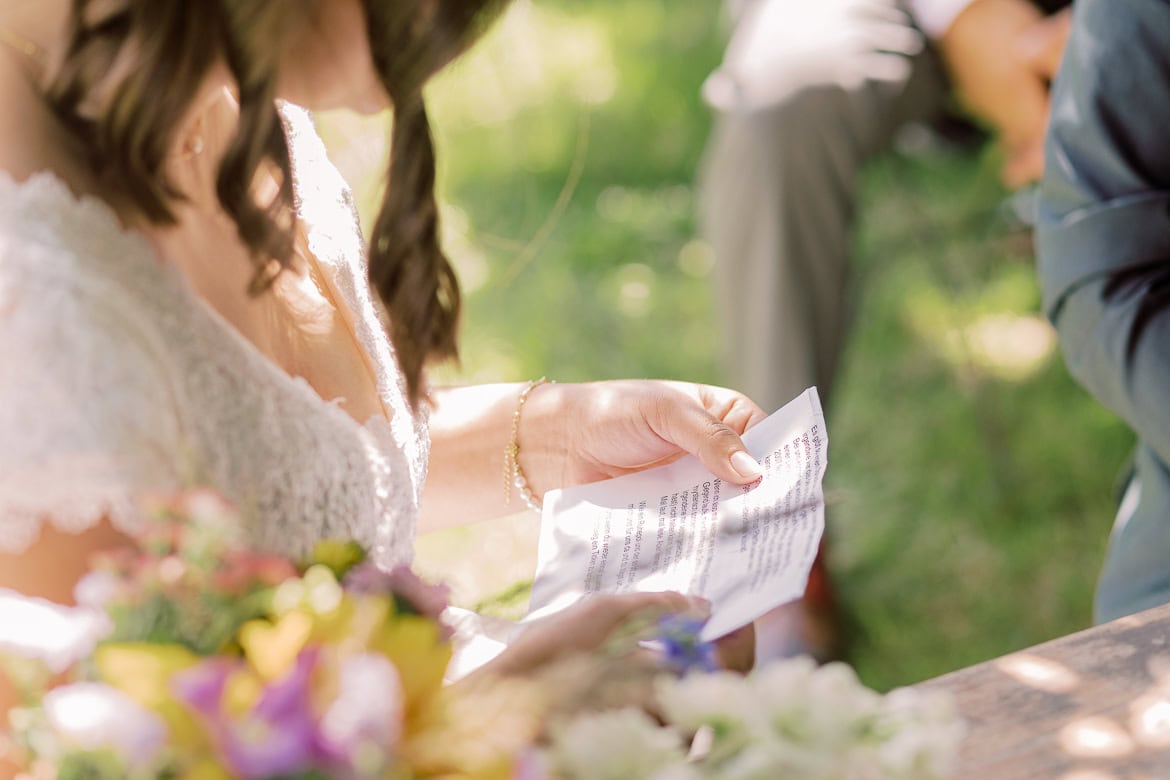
{"points": [[683, 651]]}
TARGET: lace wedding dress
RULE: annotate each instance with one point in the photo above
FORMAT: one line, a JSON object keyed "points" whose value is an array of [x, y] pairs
{"points": [[116, 380]]}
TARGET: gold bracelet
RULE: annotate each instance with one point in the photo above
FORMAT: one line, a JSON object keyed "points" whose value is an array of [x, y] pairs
{"points": [[513, 474]]}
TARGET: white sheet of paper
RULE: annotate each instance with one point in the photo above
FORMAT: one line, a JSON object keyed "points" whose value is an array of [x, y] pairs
{"points": [[678, 527]]}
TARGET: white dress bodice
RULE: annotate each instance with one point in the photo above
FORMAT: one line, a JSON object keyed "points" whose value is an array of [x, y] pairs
{"points": [[117, 382]]}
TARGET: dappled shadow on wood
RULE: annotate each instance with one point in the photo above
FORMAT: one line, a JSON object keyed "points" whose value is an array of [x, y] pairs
{"points": [[1091, 706]]}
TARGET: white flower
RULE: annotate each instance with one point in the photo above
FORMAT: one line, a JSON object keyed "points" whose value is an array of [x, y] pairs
{"points": [[208, 508], [824, 709], [57, 636], [366, 717], [923, 734], [617, 745], [792, 718], [841, 710], [784, 684], [725, 705], [720, 699], [94, 716], [678, 772], [95, 590]]}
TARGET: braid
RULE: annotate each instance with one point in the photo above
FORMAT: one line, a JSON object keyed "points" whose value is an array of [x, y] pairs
{"points": [[407, 266], [410, 42], [260, 143]]}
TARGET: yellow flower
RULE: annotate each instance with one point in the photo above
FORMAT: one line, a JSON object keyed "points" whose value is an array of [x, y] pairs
{"points": [[338, 556], [272, 648], [414, 645], [144, 672], [205, 769]]}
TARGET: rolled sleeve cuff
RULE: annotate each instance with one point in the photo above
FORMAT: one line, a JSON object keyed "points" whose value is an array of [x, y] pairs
{"points": [[1100, 239]]}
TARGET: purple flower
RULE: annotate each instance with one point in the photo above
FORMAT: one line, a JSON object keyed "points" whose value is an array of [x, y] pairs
{"points": [[277, 737], [683, 650], [364, 723], [411, 593]]}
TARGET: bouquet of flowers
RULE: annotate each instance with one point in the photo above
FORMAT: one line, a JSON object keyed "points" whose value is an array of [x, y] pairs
{"points": [[790, 719], [193, 657]]}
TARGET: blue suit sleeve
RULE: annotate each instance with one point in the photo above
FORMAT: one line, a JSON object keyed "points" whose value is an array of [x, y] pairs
{"points": [[1105, 208]]}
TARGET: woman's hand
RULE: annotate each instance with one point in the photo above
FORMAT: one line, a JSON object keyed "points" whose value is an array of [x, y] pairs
{"points": [[571, 434], [587, 626], [588, 432], [590, 624]]}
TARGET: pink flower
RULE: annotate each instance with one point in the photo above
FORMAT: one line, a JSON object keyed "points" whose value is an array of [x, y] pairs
{"points": [[241, 570]]}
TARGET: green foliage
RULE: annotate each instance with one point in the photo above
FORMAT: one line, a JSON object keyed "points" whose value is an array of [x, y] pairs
{"points": [[970, 484], [203, 622], [338, 556], [94, 765]]}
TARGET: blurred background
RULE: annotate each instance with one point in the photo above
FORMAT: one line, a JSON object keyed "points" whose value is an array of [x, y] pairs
{"points": [[971, 484]]}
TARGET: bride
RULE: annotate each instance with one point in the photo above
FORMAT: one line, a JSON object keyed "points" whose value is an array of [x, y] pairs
{"points": [[185, 299]]}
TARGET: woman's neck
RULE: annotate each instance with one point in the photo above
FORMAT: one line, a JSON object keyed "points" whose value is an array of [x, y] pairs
{"points": [[32, 39], [35, 28]]}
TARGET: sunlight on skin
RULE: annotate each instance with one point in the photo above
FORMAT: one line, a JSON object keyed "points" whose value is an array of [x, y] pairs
{"points": [[1088, 774], [1037, 672], [1096, 737]]}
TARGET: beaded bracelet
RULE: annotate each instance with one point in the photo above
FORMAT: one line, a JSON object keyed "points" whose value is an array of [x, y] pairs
{"points": [[513, 474]]}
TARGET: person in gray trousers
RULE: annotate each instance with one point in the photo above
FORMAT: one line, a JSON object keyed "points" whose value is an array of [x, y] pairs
{"points": [[807, 94]]}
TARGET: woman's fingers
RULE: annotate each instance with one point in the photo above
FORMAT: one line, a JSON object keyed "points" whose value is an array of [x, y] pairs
{"points": [[691, 427], [623, 607]]}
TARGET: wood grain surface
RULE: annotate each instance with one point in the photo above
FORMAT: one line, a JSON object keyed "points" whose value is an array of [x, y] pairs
{"points": [[1094, 705]]}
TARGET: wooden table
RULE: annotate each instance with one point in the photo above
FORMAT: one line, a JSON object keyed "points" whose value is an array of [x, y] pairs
{"points": [[1091, 706]]}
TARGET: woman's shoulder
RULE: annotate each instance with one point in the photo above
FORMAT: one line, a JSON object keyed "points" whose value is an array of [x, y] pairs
{"points": [[87, 401], [77, 293], [41, 214]]}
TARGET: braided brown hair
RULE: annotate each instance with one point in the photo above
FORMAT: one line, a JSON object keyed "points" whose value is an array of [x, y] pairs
{"points": [[410, 42], [161, 51], [127, 80]]}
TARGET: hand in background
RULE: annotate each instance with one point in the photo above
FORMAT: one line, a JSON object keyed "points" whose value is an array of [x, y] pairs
{"points": [[585, 627], [591, 623], [613, 428], [1002, 56]]}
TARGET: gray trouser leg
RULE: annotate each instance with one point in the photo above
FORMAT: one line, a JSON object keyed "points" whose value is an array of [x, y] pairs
{"points": [[808, 93]]}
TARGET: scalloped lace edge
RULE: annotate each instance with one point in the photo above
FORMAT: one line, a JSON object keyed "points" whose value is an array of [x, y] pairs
{"points": [[71, 514]]}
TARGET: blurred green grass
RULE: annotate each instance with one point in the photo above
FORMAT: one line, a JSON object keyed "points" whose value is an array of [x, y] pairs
{"points": [[970, 483]]}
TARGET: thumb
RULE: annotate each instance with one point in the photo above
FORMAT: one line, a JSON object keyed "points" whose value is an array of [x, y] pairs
{"points": [[692, 428]]}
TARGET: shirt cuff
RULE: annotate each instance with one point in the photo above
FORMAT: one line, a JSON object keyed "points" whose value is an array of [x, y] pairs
{"points": [[934, 17]]}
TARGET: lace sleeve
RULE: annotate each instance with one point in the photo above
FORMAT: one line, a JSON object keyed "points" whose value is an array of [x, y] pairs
{"points": [[87, 419]]}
